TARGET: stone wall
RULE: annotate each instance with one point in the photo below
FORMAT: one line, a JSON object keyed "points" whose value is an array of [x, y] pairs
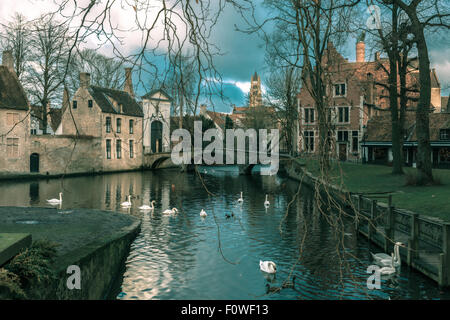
{"points": [[67, 154]]}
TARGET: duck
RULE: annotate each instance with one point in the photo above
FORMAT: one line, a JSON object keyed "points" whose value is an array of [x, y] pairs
{"points": [[126, 204], [289, 284], [146, 207], [389, 270], [270, 289], [229, 215], [170, 211], [203, 213], [241, 199], [56, 201], [268, 266], [384, 260], [266, 203]]}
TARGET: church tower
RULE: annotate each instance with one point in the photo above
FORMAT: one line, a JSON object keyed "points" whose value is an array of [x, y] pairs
{"points": [[255, 91]]}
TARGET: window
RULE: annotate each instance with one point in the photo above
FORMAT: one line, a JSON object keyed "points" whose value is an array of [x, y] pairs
{"points": [[12, 119], [12, 145], [74, 104], [90, 103], [344, 114], [339, 90], [343, 136], [119, 125], [309, 141], [108, 149], [444, 134], [131, 126], [131, 149], [33, 131], [355, 141], [309, 115], [119, 149], [108, 124]]}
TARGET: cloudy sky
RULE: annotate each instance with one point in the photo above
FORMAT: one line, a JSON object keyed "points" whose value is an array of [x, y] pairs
{"points": [[244, 54]]}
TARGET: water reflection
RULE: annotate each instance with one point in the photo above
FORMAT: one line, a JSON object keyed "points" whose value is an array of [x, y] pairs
{"points": [[186, 257]]}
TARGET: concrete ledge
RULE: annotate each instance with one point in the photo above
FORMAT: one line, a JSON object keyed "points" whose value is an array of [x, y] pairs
{"points": [[11, 244], [96, 241]]}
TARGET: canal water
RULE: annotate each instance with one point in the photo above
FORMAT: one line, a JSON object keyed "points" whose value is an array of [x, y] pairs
{"points": [[217, 257]]}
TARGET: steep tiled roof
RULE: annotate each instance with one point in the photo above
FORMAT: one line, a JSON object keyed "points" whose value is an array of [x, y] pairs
{"points": [[379, 127], [12, 95], [55, 118], [445, 104], [103, 96], [218, 118]]}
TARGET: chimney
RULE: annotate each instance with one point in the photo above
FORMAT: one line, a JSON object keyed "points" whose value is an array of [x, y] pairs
{"points": [[128, 82], [8, 61], [203, 109], [85, 79], [360, 51], [377, 55]]}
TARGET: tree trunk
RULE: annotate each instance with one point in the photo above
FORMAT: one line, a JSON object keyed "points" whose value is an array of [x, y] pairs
{"points": [[424, 166]]}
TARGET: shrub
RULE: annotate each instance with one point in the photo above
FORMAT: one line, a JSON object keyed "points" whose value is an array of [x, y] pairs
{"points": [[10, 286], [32, 265]]}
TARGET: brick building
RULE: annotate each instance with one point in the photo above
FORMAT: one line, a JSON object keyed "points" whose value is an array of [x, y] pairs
{"points": [[377, 140], [111, 116], [14, 119], [354, 93]]}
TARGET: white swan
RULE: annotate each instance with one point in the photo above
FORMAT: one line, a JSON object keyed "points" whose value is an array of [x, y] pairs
{"points": [[146, 207], [268, 266], [126, 204], [203, 213], [56, 201], [169, 211], [384, 260], [266, 203], [388, 270], [240, 200]]}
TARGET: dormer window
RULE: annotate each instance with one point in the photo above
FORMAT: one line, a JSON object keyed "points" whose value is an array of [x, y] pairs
{"points": [[444, 134], [340, 90]]}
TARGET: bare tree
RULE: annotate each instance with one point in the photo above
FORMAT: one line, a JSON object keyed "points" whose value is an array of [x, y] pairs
{"points": [[46, 66], [105, 72], [422, 15], [283, 86], [15, 37]]}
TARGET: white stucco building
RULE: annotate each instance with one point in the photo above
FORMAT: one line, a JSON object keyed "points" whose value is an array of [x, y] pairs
{"points": [[156, 106]]}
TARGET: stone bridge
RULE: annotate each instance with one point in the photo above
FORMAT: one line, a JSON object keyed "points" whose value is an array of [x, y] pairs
{"points": [[154, 160]]}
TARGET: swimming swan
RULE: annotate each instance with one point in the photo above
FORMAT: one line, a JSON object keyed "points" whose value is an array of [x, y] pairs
{"points": [[56, 201], [384, 259], [386, 271], [168, 211], [268, 266], [146, 207], [203, 213], [266, 203], [126, 203], [240, 200]]}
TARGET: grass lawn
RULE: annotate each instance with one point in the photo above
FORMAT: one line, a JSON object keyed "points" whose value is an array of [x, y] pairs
{"points": [[425, 200]]}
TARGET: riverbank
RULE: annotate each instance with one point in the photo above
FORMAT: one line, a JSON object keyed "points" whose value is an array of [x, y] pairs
{"points": [[365, 178], [426, 239], [97, 241]]}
